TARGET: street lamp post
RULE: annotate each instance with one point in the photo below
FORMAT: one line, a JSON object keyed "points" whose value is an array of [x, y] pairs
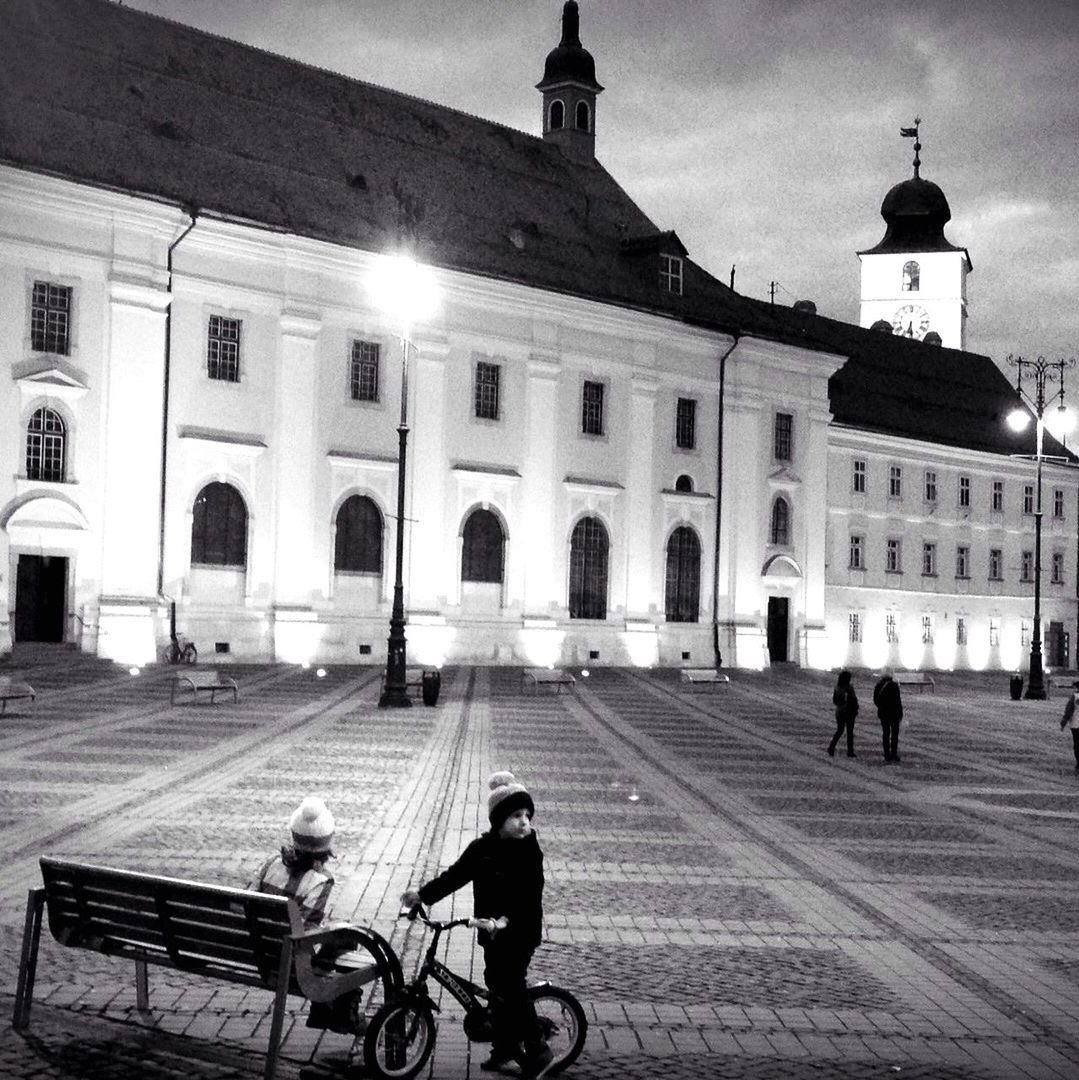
{"points": [[1041, 371], [404, 290]]}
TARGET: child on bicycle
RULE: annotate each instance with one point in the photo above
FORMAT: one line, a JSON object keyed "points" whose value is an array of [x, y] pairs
{"points": [[505, 866], [300, 871]]}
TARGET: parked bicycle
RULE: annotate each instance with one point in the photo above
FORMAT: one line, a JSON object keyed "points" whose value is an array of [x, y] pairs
{"points": [[401, 1035], [180, 651]]}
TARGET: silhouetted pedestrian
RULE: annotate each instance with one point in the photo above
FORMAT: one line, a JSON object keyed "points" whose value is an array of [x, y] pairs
{"points": [[1071, 719], [889, 703], [845, 701]]}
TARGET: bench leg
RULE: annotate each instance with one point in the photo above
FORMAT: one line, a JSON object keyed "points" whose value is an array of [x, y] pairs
{"points": [[277, 1021], [31, 936], [142, 987]]}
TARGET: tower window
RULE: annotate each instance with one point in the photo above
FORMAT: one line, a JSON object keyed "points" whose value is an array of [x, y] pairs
{"points": [[556, 115], [685, 424], [583, 117], [592, 408], [223, 349], [363, 371], [912, 274], [486, 390]]}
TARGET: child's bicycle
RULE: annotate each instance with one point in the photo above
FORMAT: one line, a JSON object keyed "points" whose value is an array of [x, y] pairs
{"points": [[401, 1035]]}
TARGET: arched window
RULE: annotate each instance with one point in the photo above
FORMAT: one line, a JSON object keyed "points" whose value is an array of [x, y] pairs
{"points": [[219, 528], [683, 575], [583, 117], [357, 545], [912, 274], [557, 115], [588, 570], [45, 446], [481, 550], [781, 522], [683, 483]]}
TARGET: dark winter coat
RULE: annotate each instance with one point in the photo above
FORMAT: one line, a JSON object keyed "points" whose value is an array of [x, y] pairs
{"points": [[845, 701], [887, 699], [507, 879]]}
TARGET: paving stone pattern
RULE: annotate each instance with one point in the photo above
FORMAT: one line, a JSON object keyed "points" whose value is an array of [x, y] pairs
{"points": [[726, 900]]}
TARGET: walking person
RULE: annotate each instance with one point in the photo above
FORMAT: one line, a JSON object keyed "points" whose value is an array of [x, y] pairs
{"points": [[505, 866], [845, 701], [889, 703], [1071, 719]]}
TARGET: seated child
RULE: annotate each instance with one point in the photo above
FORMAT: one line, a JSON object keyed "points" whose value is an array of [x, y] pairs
{"points": [[300, 871], [505, 866]]}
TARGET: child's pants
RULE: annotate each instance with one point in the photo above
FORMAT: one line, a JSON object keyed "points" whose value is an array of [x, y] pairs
{"points": [[513, 1016]]}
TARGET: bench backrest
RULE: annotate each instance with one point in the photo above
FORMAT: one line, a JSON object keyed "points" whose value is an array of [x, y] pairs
{"points": [[232, 934]]}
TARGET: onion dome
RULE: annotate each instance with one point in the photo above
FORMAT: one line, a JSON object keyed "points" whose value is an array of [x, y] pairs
{"points": [[569, 61], [915, 212]]}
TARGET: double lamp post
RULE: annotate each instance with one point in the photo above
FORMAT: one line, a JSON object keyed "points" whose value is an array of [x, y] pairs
{"points": [[1060, 422], [406, 292]]}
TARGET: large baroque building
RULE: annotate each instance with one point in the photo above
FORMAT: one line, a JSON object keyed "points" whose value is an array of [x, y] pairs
{"points": [[613, 458]]}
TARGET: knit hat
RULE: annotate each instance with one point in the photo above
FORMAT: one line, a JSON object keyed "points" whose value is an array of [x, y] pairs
{"points": [[507, 796], [312, 825]]}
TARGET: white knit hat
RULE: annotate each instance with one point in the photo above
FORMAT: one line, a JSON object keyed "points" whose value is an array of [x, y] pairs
{"points": [[312, 825], [507, 795]]}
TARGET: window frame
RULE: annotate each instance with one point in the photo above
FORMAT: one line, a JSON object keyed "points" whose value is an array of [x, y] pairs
{"points": [[996, 564], [487, 391], [365, 387], [41, 336], [859, 477], [929, 490], [964, 490], [671, 278], [962, 562], [783, 437], [854, 627], [599, 409], [856, 551], [219, 362], [682, 575], [1028, 499], [47, 447], [685, 423], [230, 540], [780, 522], [911, 277], [1026, 566], [893, 555], [478, 557], [372, 527], [895, 481], [929, 558], [1056, 568], [996, 497], [1058, 504]]}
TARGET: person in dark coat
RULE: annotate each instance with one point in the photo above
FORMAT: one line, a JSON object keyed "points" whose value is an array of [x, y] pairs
{"points": [[505, 866], [889, 703], [845, 701]]}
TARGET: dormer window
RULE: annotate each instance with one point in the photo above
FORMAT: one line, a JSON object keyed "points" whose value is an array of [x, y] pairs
{"points": [[912, 274], [556, 116], [670, 274], [583, 117]]}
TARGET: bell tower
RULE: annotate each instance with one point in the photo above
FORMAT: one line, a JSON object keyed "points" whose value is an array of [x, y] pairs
{"points": [[569, 91], [915, 279]]}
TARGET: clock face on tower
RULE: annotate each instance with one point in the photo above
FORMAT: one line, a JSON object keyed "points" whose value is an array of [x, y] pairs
{"points": [[911, 321]]}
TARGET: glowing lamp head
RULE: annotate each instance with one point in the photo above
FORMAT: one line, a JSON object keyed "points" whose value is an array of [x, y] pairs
{"points": [[134, 671], [1060, 422], [584, 673], [1018, 419], [403, 289], [321, 673]]}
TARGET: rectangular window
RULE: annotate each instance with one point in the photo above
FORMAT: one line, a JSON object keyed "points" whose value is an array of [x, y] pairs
{"points": [[1028, 498], [223, 349], [859, 476], [962, 561], [670, 274], [895, 481], [685, 424], [930, 486], [994, 632], [997, 503], [927, 629], [891, 633], [1026, 566], [893, 560], [1024, 633], [50, 318], [1058, 504], [363, 371], [929, 560], [783, 444], [1058, 568], [592, 408], [854, 624], [996, 564], [960, 631], [857, 552], [964, 492], [487, 381]]}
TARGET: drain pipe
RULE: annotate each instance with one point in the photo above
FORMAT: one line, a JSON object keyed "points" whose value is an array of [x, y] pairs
{"points": [[192, 212], [719, 503]]}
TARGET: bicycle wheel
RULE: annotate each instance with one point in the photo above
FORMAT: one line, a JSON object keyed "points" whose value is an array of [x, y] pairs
{"points": [[399, 1040], [562, 1023]]}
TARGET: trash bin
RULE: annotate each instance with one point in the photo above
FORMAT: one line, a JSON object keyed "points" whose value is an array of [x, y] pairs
{"points": [[430, 685], [1016, 687]]}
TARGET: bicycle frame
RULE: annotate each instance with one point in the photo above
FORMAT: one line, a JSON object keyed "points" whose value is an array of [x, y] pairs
{"points": [[468, 994]]}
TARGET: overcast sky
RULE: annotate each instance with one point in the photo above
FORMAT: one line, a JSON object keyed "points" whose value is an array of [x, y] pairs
{"points": [[766, 132]]}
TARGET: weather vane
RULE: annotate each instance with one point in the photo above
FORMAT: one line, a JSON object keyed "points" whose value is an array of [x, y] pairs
{"points": [[912, 133]]}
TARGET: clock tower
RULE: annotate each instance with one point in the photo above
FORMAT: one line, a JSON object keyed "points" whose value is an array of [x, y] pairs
{"points": [[915, 279]]}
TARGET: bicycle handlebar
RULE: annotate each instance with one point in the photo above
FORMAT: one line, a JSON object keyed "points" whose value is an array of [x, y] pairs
{"points": [[417, 912]]}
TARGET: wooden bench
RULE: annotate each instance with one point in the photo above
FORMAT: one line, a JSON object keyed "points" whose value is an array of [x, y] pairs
{"points": [[540, 676], [919, 679], [233, 935], [704, 677], [209, 681], [13, 690]]}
